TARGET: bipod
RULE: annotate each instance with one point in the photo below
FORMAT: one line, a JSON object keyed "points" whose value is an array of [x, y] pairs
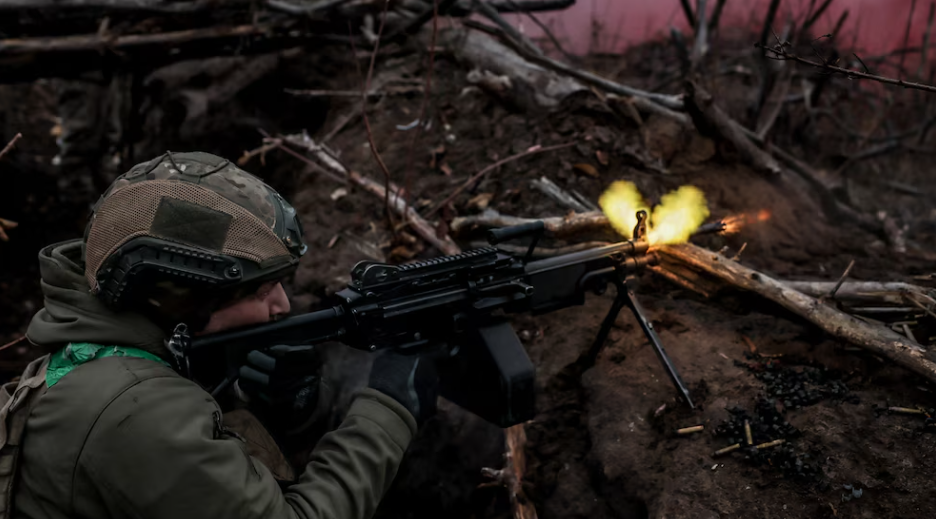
{"points": [[625, 297]]}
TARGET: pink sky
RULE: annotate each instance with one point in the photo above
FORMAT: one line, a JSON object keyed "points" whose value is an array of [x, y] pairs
{"points": [[881, 22]]}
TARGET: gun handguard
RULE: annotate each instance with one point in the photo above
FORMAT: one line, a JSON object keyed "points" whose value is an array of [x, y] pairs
{"points": [[453, 306]]}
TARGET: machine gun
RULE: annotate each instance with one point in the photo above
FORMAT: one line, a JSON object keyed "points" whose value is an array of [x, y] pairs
{"points": [[456, 307]]}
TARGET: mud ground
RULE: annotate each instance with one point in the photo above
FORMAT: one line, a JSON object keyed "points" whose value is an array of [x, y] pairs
{"points": [[600, 445]]}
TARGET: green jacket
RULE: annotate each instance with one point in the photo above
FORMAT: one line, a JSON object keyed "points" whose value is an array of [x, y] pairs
{"points": [[126, 437]]}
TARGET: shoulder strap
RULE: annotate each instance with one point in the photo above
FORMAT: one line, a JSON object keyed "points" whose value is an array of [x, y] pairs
{"points": [[16, 401]]}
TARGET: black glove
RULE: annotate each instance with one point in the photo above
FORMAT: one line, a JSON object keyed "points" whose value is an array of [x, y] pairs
{"points": [[411, 380], [286, 381]]}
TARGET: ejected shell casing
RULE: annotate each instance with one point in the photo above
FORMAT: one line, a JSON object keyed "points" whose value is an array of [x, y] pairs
{"points": [[728, 449], [770, 444], [747, 432], [905, 410], [690, 430]]}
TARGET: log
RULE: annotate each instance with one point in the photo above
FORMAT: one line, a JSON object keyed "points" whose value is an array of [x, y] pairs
{"points": [[491, 13], [397, 204], [673, 102], [875, 339], [556, 226], [713, 121]]}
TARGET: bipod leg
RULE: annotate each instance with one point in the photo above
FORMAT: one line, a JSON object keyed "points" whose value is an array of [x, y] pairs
{"points": [[619, 301], [631, 299]]}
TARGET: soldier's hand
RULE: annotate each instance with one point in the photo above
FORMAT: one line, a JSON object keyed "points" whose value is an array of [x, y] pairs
{"points": [[286, 380], [411, 380]]}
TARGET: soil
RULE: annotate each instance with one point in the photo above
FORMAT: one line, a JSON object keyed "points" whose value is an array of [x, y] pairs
{"points": [[603, 443]]}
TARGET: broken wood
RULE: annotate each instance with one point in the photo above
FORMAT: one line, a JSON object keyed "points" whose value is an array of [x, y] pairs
{"points": [[556, 226], [674, 102], [397, 204], [511, 476], [531, 86], [876, 339], [491, 13], [713, 121], [561, 196]]}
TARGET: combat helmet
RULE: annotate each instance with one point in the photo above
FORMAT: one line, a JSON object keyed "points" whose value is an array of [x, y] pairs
{"points": [[190, 224]]}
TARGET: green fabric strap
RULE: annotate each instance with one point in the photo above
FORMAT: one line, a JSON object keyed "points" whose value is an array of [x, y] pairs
{"points": [[77, 353]]}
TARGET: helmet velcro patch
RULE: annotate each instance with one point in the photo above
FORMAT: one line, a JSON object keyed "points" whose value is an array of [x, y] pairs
{"points": [[191, 224]]}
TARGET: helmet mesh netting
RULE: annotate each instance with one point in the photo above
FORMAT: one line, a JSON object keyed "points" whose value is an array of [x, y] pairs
{"points": [[129, 212]]}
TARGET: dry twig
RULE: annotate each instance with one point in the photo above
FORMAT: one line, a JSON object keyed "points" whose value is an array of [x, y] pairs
{"points": [[477, 176], [709, 118], [427, 91], [876, 339], [365, 88], [6, 149], [779, 52], [669, 101], [329, 163]]}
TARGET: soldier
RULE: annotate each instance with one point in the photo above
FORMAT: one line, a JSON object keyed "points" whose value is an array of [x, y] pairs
{"points": [[108, 427]]}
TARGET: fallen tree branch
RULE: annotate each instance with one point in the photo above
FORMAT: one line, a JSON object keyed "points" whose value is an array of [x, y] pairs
{"points": [[670, 101], [397, 204], [875, 339], [94, 42], [546, 30], [556, 226], [864, 292], [530, 86], [711, 120]]}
